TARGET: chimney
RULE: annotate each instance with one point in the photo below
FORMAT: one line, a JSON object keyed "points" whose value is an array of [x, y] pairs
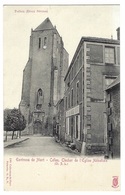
{"points": [[118, 33]]}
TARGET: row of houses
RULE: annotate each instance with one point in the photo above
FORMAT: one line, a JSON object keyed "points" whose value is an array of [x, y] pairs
{"points": [[88, 116]]}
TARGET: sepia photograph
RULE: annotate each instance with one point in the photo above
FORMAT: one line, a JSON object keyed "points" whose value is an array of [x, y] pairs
{"points": [[61, 97]]}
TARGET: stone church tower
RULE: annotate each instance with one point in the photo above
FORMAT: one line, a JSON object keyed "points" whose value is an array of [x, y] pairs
{"points": [[43, 78]]}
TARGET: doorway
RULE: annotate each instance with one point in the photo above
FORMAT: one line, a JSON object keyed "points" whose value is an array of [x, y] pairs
{"points": [[37, 128]]}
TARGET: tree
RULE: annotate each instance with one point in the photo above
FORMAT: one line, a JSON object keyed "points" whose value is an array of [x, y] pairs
{"points": [[14, 121], [7, 111]]}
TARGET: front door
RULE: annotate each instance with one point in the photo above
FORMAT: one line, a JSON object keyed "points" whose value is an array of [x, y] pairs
{"points": [[37, 127]]}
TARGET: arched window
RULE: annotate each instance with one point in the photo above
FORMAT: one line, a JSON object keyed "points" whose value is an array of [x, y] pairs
{"points": [[40, 92], [45, 41], [39, 43], [40, 98]]}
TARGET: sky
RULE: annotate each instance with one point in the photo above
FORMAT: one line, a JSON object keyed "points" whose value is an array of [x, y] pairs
{"points": [[72, 22]]}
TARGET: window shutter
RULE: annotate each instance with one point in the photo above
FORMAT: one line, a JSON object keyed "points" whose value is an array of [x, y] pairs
{"points": [[109, 126], [75, 127], [106, 104], [108, 97], [108, 111], [78, 127], [67, 125], [110, 140]]}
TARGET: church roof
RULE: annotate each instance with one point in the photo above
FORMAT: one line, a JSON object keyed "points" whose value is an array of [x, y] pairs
{"points": [[45, 25]]}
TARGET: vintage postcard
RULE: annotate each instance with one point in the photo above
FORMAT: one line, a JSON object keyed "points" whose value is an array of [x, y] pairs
{"points": [[62, 97]]}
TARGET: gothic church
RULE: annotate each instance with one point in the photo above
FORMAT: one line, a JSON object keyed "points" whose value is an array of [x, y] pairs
{"points": [[43, 79]]}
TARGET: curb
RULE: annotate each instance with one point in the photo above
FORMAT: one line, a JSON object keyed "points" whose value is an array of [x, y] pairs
{"points": [[15, 143]]}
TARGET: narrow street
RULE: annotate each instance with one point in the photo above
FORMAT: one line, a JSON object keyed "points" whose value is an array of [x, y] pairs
{"points": [[38, 146]]}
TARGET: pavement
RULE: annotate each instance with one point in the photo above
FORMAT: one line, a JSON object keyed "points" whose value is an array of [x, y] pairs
{"points": [[37, 146], [11, 142]]}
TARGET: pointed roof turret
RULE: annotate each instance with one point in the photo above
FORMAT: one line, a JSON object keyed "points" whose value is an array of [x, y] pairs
{"points": [[45, 25]]}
